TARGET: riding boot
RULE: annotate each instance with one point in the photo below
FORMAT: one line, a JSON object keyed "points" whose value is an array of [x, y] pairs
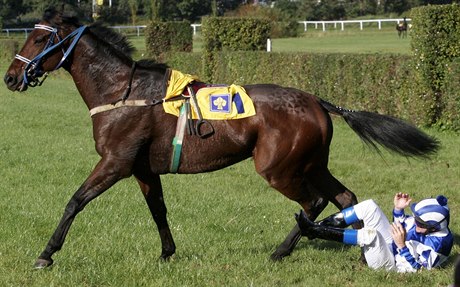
{"points": [[313, 230], [341, 219]]}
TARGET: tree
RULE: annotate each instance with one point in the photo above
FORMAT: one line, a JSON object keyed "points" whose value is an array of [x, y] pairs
{"points": [[358, 8], [289, 9], [192, 10], [396, 6], [324, 10], [133, 6], [11, 9], [155, 8]]}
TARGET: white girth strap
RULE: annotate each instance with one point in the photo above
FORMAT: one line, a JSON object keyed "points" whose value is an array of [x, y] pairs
{"points": [[120, 104]]}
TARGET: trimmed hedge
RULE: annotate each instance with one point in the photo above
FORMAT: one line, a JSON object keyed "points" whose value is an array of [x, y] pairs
{"points": [[368, 82], [162, 37], [382, 83], [436, 45], [235, 34], [450, 117], [190, 63], [285, 29], [8, 49], [231, 34]]}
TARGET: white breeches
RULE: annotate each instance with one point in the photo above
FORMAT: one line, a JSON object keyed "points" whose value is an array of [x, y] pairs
{"points": [[375, 238]]}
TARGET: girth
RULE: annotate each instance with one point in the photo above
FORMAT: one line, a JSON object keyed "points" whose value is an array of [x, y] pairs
{"points": [[201, 128]]}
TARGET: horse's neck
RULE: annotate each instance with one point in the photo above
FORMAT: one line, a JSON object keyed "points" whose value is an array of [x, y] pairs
{"points": [[100, 78]]}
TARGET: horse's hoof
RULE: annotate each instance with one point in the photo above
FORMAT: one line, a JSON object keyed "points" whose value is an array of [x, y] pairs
{"points": [[277, 257], [43, 263], [165, 257]]}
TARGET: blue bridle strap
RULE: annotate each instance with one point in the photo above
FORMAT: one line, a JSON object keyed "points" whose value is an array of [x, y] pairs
{"points": [[76, 34]]}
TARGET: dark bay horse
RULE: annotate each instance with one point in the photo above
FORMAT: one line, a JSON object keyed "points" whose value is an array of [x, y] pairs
{"points": [[288, 138], [402, 28]]}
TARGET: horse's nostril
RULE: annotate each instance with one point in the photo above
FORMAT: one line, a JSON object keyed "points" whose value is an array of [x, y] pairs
{"points": [[10, 80]]}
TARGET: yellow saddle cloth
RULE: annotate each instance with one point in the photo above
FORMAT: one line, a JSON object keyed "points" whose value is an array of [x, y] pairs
{"points": [[216, 103]]}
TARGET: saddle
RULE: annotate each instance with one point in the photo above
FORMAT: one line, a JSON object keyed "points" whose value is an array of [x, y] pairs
{"points": [[190, 99], [213, 102]]}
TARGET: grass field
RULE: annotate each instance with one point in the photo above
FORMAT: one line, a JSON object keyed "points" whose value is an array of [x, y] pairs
{"points": [[347, 41], [225, 223], [351, 40]]}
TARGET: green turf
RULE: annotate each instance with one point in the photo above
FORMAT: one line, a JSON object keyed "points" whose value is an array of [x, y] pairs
{"points": [[351, 40], [225, 223], [369, 40]]}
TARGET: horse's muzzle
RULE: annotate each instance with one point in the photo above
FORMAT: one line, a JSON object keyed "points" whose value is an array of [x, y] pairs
{"points": [[14, 84]]}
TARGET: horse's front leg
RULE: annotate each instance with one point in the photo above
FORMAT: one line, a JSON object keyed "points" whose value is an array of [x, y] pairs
{"points": [[106, 174], [314, 208], [153, 193]]}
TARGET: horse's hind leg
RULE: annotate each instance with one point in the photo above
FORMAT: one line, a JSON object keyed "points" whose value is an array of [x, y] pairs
{"points": [[333, 189], [153, 193], [336, 193]]}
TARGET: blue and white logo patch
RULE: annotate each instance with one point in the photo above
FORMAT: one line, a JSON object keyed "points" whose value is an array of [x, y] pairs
{"points": [[220, 103]]}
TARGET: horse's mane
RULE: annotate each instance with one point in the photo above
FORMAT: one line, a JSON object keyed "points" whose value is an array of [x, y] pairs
{"points": [[118, 41], [115, 42]]}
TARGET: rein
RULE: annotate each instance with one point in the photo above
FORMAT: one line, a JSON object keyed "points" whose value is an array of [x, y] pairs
{"points": [[33, 70]]}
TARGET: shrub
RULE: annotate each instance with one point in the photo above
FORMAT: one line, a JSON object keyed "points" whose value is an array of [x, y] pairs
{"points": [[8, 49], [231, 34], [284, 29], [436, 43], [162, 37], [235, 34], [372, 82], [450, 117]]}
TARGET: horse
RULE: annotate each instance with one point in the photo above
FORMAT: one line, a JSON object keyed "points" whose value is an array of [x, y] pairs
{"points": [[402, 28], [288, 138]]}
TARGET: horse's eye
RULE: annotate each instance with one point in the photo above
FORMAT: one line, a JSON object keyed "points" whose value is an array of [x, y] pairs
{"points": [[39, 39]]}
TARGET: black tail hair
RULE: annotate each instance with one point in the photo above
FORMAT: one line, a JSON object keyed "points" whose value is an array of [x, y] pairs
{"points": [[390, 132]]}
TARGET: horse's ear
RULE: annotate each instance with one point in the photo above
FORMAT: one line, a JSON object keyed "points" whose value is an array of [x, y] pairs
{"points": [[51, 15]]}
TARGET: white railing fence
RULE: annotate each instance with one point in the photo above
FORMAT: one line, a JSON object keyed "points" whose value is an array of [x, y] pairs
{"points": [[196, 27], [342, 23]]}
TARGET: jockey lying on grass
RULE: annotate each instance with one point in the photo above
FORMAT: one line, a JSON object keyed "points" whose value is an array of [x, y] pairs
{"points": [[406, 245]]}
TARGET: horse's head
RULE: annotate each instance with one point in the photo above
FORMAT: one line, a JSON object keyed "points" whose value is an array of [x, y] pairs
{"points": [[46, 49]]}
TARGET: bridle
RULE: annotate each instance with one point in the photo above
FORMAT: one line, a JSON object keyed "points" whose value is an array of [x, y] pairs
{"points": [[34, 70]]}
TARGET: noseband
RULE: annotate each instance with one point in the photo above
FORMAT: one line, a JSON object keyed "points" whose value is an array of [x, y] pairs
{"points": [[33, 70]]}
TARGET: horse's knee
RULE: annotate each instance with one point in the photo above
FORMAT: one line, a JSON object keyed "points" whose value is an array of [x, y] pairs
{"points": [[74, 205]]}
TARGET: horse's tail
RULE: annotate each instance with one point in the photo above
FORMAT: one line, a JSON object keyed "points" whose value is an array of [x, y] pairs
{"points": [[389, 132]]}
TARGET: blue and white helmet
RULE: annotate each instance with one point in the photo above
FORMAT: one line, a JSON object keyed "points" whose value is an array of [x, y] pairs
{"points": [[432, 213]]}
